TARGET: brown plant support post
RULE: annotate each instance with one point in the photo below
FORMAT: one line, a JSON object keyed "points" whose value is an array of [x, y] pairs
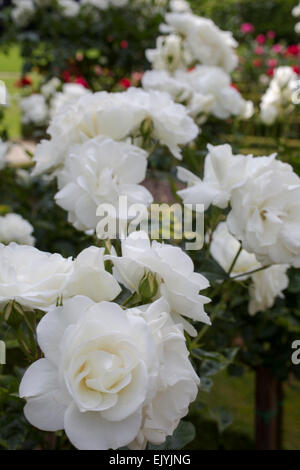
{"points": [[268, 410]]}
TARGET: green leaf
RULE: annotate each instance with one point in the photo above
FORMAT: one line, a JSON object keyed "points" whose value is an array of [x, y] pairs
{"points": [[183, 435], [222, 417]]}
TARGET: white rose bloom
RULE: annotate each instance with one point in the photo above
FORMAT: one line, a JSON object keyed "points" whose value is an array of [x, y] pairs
{"points": [[70, 8], [118, 116], [265, 213], [223, 172], [171, 124], [168, 54], [203, 40], [266, 284], [179, 6], [204, 90], [296, 10], [178, 283], [13, 228], [97, 172], [109, 376], [224, 247], [278, 99], [71, 92], [34, 109], [50, 87], [22, 12], [3, 152], [37, 279]]}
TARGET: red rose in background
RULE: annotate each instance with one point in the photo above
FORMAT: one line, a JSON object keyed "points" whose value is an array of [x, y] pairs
{"points": [[124, 44], [261, 39], [81, 81], [125, 82], [24, 81]]}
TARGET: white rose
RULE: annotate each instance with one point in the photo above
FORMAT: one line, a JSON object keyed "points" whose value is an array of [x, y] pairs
{"points": [[118, 116], [265, 213], [107, 374], [174, 269], [223, 172], [71, 92], [37, 279], [49, 88], [267, 285], [296, 10], [168, 54], [224, 247], [204, 41], [179, 6], [277, 100], [70, 8], [34, 109], [98, 172], [22, 12], [13, 228]]}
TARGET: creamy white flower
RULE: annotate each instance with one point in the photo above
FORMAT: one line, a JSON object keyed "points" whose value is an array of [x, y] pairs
{"points": [[97, 172], [169, 53], [70, 93], [109, 376], [277, 102], [177, 381], [224, 247], [179, 6], [266, 284], [178, 283], [265, 212], [118, 116], [297, 27], [204, 90], [203, 40], [13, 228], [34, 109], [3, 153], [37, 279], [50, 87], [70, 8], [223, 172], [22, 12], [296, 10]]}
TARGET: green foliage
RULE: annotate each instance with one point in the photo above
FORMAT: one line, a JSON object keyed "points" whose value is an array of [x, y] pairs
{"points": [[267, 15]]}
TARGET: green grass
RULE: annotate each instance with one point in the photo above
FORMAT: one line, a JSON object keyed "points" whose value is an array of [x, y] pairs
{"points": [[237, 396], [10, 70]]}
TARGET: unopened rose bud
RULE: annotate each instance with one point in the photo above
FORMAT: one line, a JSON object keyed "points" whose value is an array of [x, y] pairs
{"points": [[148, 286]]}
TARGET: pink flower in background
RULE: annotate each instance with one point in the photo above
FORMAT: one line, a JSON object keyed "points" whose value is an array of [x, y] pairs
{"points": [[272, 62], [125, 82], [81, 81], [98, 70], [261, 39], [271, 34], [124, 44], [247, 28], [293, 49], [259, 50], [296, 69], [270, 72], [277, 48]]}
